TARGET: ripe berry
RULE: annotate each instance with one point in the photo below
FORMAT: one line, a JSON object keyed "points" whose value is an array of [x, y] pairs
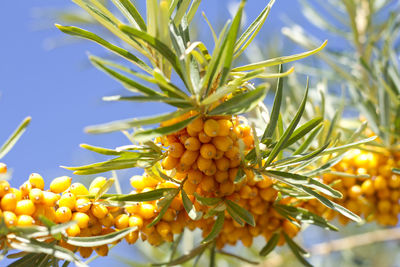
{"points": [[97, 183], [50, 199], [78, 189], [60, 184], [208, 151], [25, 206], [147, 211], [211, 127], [36, 180], [196, 125], [25, 220], [192, 144], [99, 211], [73, 230], [10, 218], [102, 250], [67, 200], [63, 214], [82, 204], [223, 143], [9, 202], [169, 162], [176, 150], [81, 218], [121, 221], [36, 195], [203, 137]]}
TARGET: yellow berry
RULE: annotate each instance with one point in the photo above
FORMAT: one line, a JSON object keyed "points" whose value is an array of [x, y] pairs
{"points": [[4, 187], [67, 200], [196, 125], [25, 220], [208, 151], [147, 211], [169, 162], [3, 168], [223, 143], [222, 164], [132, 237], [203, 164], [60, 184], [81, 218], [135, 220], [78, 189], [121, 221], [99, 211], [10, 218], [97, 183], [203, 137], [192, 144], [36, 195], [188, 157], [176, 150], [25, 207], [50, 198], [36, 180], [82, 204], [25, 188], [107, 220], [63, 214], [9, 202], [211, 127]]}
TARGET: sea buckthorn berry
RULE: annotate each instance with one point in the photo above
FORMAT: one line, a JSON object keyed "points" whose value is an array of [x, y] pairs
{"points": [[67, 200], [208, 151], [182, 138], [78, 189], [355, 191], [266, 182], [81, 218], [248, 141], [133, 208], [3, 168], [384, 206], [60, 184], [176, 150], [138, 182], [203, 137], [225, 126], [268, 194], [25, 188], [25, 220], [221, 176], [244, 130], [192, 144], [99, 211], [98, 182], [154, 239], [36, 195], [211, 170], [16, 192], [63, 214], [121, 221], [4, 187], [394, 181], [223, 143], [169, 215], [380, 183], [50, 198], [168, 163], [163, 228], [107, 220], [147, 211], [85, 252], [135, 220], [203, 163], [95, 229], [82, 204], [211, 127], [10, 218], [189, 188], [233, 153], [189, 157], [222, 164], [196, 125], [36, 180], [102, 250], [9, 202], [227, 188], [132, 237], [25, 206], [195, 176], [232, 173]]}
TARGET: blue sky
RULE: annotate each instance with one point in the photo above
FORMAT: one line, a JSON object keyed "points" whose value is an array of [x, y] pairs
{"points": [[62, 92]]}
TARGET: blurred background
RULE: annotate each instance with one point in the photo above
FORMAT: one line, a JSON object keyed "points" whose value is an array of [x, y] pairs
{"points": [[46, 74]]}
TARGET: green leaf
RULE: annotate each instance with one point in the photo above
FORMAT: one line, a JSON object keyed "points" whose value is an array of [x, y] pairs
{"points": [[146, 196], [101, 150], [207, 201], [132, 11], [71, 30], [216, 229], [271, 244], [279, 60], [303, 130], [131, 123], [6, 147], [107, 185], [190, 255], [162, 48], [240, 175], [273, 119], [230, 44], [146, 135], [299, 252], [240, 103], [288, 132], [189, 207], [244, 214], [306, 144], [165, 205], [94, 241], [237, 257], [176, 102]]}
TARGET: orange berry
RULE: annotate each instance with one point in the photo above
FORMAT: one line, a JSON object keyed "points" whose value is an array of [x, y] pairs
{"points": [[384, 206], [102, 250], [189, 188], [63, 214], [147, 211], [248, 141], [99, 211], [107, 220], [67, 200], [10, 218], [85, 252], [16, 192], [203, 164], [233, 153], [95, 229], [36, 195], [232, 174], [138, 182], [211, 127], [380, 183], [208, 151], [60, 184], [25, 220], [132, 237], [394, 181], [189, 157], [135, 220], [268, 194], [82, 204], [223, 143], [355, 191], [192, 144], [81, 218], [121, 221], [97, 183], [3, 168], [36, 180], [222, 164], [211, 170], [78, 189], [169, 162], [25, 207], [176, 150], [195, 176], [133, 208], [196, 125], [163, 228], [225, 126], [9, 202], [207, 184], [4, 187], [221, 176], [169, 215], [203, 137]]}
